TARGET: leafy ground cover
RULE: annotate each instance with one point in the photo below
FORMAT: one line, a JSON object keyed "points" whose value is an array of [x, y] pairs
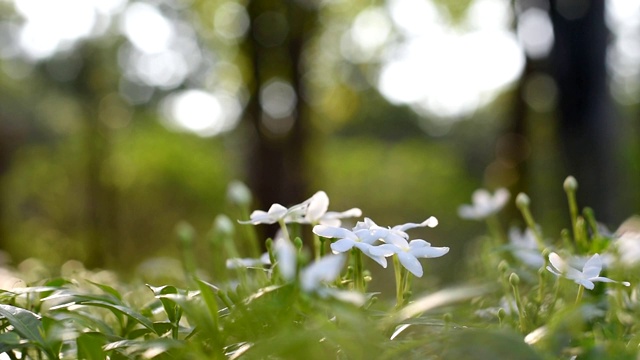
{"points": [[529, 295]]}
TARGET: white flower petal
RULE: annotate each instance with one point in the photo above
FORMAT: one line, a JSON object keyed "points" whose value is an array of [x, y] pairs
{"points": [[327, 269], [352, 297], [384, 250], [553, 271], [330, 222], [286, 255], [342, 245], [354, 212], [430, 222], [500, 198], [557, 262], [592, 267], [334, 232], [367, 236], [318, 205], [257, 217], [586, 283], [429, 252], [277, 211], [410, 263]]}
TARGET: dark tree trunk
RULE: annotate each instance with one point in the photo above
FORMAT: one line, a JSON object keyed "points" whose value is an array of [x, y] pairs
{"points": [[100, 197], [277, 171], [587, 126]]}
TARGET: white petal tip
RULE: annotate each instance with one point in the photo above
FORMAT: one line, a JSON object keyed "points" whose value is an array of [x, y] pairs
{"points": [[432, 222]]}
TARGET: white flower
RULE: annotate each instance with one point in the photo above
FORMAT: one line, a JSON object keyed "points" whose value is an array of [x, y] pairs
{"points": [[239, 193], [310, 211], [398, 231], [628, 246], [366, 232], [324, 270], [525, 248], [484, 205], [590, 272], [316, 212], [361, 238], [275, 214], [409, 252], [286, 256]]}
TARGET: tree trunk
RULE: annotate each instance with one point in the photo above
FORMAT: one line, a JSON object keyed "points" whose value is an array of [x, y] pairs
{"points": [[587, 126], [277, 169]]}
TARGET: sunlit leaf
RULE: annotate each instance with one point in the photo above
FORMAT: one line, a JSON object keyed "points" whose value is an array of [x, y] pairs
{"points": [[26, 323]]}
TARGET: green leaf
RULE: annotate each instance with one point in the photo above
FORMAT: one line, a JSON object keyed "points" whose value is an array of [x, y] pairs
{"points": [[75, 298], [82, 321], [26, 323], [173, 310], [10, 341], [145, 349], [90, 346], [107, 289], [489, 344], [122, 310]]}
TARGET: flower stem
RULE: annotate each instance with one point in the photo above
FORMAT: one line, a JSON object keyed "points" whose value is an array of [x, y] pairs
{"points": [[580, 293], [358, 278], [514, 280], [285, 231], [570, 187], [397, 268], [523, 205], [406, 289], [317, 246]]}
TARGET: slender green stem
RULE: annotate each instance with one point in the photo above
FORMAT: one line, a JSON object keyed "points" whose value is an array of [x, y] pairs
{"points": [[323, 247], [522, 317], [397, 268], [358, 278], [406, 289], [285, 231], [531, 224], [580, 234], [317, 246], [580, 293], [573, 211]]}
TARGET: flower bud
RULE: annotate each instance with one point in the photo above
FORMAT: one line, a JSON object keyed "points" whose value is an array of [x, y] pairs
{"points": [[514, 279], [223, 225], [502, 314], [570, 184], [522, 201], [503, 266], [239, 193], [186, 232]]}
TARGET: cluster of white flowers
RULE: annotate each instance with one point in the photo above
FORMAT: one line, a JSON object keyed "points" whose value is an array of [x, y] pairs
{"points": [[327, 224], [394, 240]]}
